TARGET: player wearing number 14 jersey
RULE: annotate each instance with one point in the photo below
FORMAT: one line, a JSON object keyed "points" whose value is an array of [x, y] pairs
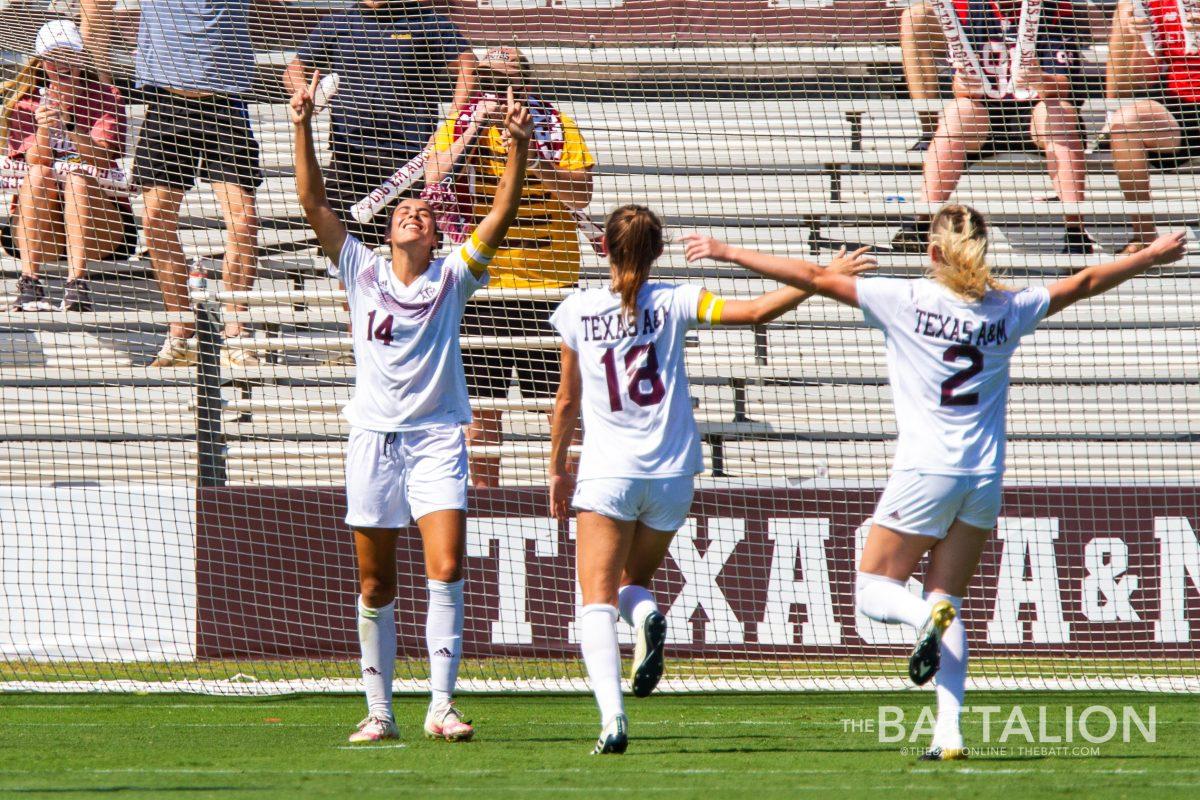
{"points": [[950, 340], [406, 457], [623, 364]]}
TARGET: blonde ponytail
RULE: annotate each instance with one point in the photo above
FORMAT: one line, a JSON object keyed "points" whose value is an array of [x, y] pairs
{"points": [[26, 82], [960, 234]]}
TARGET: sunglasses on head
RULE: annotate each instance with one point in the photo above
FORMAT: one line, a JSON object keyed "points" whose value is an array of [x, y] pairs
{"points": [[495, 84]]}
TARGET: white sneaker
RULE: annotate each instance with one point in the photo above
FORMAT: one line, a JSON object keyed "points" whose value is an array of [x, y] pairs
{"points": [[445, 722], [175, 352], [614, 738], [239, 358], [375, 729]]}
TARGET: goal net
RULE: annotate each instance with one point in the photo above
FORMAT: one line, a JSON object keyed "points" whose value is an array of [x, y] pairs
{"points": [[171, 464]]}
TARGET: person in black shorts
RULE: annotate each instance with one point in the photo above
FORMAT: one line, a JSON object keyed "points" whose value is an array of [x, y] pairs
{"points": [[1039, 114], [194, 76], [1163, 133]]}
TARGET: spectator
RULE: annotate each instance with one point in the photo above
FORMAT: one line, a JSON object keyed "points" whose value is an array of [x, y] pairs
{"points": [[56, 112], [1166, 131], [974, 124], [393, 59], [1129, 68], [922, 46], [542, 248], [195, 63]]}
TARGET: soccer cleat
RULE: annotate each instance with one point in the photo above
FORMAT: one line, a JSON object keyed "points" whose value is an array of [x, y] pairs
{"points": [[927, 654], [944, 754], [445, 722], [175, 352], [76, 296], [375, 729], [31, 295], [648, 654], [614, 738]]}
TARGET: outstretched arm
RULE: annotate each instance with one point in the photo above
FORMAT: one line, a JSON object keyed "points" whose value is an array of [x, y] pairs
{"points": [[1102, 277], [331, 233], [773, 305], [562, 432], [804, 275], [495, 225]]}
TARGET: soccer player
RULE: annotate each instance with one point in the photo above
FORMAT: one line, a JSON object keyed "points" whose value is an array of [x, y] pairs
{"points": [[950, 339], [622, 363], [1167, 130], [1038, 111], [407, 457]]}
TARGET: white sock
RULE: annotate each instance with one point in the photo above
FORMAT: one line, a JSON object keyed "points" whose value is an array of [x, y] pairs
{"points": [[951, 679], [598, 641], [886, 600], [635, 603], [443, 636], [377, 641]]}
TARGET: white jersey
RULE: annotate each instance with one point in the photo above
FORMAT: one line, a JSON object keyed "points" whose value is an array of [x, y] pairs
{"points": [[948, 362], [637, 413], [409, 364]]}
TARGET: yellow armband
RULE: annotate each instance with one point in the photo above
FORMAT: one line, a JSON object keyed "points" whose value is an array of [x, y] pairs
{"points": [[710, 308]]}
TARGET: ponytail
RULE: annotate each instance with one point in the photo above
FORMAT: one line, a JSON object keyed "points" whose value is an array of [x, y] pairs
{"points": [[634, 235], [961, 236], [27, 81]]}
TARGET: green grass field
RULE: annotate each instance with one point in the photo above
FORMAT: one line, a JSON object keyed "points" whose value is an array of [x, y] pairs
{"points": [[711, 746]]}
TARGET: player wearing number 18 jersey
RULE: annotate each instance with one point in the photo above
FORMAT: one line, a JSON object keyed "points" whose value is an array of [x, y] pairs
{"points": [[950, 341], [623, 364]]}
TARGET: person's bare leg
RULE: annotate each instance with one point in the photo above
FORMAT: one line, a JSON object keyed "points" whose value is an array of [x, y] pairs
{"points": [[1137, 130], [241, 243], [96, 27], [963, 130], [1055, 129], [602, 551], [93, 222], [160, 220], [892, 554], [486, 429], [921, 46], [38, 226]]}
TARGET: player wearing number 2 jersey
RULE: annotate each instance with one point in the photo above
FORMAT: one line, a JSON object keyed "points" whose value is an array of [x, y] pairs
{"points": [[950, 340], [406, 458], [623, 365]]}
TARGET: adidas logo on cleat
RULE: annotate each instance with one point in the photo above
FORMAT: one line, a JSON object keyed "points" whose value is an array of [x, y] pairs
{"points": [[370, 671]]}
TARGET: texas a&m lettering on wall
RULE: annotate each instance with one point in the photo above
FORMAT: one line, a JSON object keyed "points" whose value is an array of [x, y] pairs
{"points": [[755, 573]]}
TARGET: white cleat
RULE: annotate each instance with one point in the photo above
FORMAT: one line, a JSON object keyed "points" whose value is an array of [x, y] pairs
{"points": [[445, 722], [614, 738], [375, 729]]}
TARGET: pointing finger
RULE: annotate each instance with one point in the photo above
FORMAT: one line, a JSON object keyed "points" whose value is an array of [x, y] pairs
{"points": [[312, 86]]}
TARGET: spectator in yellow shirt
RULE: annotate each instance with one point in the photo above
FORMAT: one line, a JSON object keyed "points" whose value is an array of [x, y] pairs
{"points": [[541, 251]]}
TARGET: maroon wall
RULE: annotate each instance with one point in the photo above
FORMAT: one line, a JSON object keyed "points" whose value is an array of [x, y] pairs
{"points": [[276, 578]]}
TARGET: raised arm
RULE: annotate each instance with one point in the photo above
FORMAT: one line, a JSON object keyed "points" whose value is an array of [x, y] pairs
{"points": [[837, 285], [1102, 277], [773, 305], [562, 432], [331, 233], [519, 124]]}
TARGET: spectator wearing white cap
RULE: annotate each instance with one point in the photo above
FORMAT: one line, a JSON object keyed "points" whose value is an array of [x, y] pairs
{"points": [[66, 129]]}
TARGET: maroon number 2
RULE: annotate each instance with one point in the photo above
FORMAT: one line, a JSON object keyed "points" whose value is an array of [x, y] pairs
{"points": [[957, 353], [646, 373]]}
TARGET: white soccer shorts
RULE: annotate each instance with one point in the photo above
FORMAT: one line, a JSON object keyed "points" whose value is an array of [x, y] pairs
{"points": [[659, 503], [927, 504], [394, 478]]}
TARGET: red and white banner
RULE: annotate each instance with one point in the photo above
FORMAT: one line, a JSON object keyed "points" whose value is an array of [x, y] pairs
{"points": [[1108, 572]]}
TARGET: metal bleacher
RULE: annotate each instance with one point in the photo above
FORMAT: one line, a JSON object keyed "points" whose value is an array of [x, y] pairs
{"points": [[1113, 382]]}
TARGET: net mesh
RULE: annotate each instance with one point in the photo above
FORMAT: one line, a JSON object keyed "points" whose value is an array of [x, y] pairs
{"points": [[171, 470]]}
